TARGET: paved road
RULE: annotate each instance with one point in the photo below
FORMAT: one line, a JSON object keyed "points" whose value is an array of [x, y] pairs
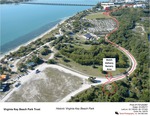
{"points": [[103, 80], [119, 77], [126, 52]]}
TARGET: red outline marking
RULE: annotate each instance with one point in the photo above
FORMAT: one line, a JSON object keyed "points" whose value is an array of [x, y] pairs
{"points": [[112, 84], [119, 47], [110, 76]]}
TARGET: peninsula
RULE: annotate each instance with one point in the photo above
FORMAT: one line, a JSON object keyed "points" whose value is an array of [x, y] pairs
{"points": [[66, 62]]}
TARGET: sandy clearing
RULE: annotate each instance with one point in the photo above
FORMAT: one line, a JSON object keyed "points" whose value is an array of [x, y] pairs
{"points": [[42, 67], [50, 85]]}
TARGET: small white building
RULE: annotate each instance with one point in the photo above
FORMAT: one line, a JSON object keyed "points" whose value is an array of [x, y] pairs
{"points": [[139, 6], [129, 1], [107, 3]]}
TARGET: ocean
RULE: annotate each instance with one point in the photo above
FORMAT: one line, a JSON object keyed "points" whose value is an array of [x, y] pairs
{"points": [[20, 23]]}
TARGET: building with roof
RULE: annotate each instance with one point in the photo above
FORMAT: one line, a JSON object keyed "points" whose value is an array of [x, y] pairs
{"points": [[3, 77], [129, 1], [88, 36], [107, 3], [107, 8], [142, 0], [122, 1], [3, 86], [30, 64], [58, 35], [139, 6]]}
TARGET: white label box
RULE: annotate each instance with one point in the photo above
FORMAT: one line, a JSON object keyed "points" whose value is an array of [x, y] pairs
{"points": [[109, 64]]}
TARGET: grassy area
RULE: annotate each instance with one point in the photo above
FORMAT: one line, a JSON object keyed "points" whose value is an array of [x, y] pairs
{"points": [[89, 70], [79, 38], [97, 16], [50, 34], [87, 47]]}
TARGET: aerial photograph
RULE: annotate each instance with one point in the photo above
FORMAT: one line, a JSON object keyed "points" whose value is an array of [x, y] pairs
{"points": [[74, 51]]}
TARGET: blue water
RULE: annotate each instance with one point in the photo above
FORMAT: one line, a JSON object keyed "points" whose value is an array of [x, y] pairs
{"points": [[21, 23]]}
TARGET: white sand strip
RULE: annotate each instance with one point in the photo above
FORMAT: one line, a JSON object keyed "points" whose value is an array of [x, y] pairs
{"points": [[36, 38]]}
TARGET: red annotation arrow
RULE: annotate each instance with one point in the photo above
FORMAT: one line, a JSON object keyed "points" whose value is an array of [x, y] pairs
{"points": [[109, 78]]}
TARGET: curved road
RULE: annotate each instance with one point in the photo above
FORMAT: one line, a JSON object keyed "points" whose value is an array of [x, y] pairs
{"points": [[104, 80], [126, 52]]}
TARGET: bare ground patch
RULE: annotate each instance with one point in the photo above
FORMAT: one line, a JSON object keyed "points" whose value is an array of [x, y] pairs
{"points": [[50, 85]]}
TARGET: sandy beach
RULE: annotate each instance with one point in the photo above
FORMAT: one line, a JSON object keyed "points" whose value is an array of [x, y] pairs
{"points": [[84, 86], [36, 38]]}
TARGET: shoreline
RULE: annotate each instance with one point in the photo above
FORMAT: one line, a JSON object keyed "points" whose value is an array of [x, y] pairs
{"points": [[62, 20], [134, 63]]}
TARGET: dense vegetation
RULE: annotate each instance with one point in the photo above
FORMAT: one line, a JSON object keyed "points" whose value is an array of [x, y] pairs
{"points": [[94, 56], [36, 60], [134, 88], [45, 50], [25, 50], [78, 25]]}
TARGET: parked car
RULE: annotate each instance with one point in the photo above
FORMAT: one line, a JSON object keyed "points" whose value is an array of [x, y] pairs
{"points": [[18, 84], [11, 65], [37, 71]]}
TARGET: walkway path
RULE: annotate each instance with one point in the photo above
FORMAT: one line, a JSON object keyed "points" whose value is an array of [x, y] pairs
{"points": [[119, 77], [126, 52], [85, 85]]}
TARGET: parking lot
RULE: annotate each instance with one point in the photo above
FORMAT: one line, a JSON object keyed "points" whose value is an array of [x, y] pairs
{"points": [[102, 26]]}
